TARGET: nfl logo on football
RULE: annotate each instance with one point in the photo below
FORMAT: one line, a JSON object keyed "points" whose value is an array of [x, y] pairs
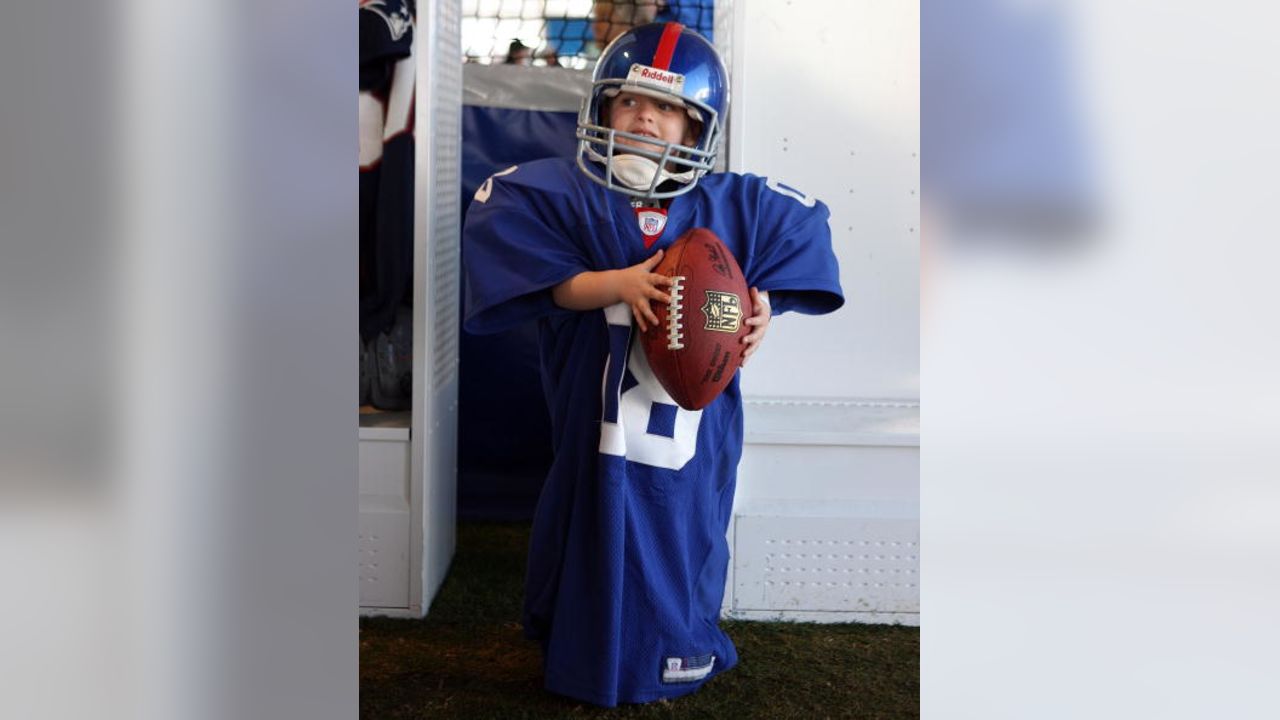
{"points": [[722, 311]]}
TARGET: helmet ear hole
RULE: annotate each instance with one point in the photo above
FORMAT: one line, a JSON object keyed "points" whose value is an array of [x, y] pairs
{"points": [[693, 132]]}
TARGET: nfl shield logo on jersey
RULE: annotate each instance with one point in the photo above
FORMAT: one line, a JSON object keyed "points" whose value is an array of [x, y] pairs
{"points": [[687, 669], [652, 222]]}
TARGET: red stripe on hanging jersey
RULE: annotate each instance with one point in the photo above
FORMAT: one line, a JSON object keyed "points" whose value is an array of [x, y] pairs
{"points": [[667, 46]]}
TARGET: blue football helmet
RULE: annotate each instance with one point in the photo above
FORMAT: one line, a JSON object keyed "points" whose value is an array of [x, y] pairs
{"points": [[669, 62]]}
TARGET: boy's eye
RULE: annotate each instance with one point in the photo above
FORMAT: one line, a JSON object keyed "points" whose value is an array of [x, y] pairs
{"points": [[666, 107]]}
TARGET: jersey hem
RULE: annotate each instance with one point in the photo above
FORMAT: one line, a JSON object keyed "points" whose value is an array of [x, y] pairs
{"points": [[569, 689]]}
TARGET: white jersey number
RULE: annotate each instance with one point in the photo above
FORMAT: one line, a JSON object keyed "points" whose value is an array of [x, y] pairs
{"points": [[642, 423], [790, 192], [485, 190]]}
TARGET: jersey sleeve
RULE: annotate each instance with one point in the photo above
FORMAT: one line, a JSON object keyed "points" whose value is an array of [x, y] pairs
{"points": [[513, 252], [793, 258]]}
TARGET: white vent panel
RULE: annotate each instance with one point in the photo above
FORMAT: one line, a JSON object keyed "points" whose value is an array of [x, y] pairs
{"points": [[827, 564], [445, 200], [384, 553]]}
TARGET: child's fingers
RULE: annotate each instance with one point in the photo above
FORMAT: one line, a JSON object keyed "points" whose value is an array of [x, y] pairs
{"points": [[644, 315], [760, 302], [635, 312], [759, 320], [656, 294], [751, 342], [660, 279], [760, 325], [650, 316], [653, 261]]}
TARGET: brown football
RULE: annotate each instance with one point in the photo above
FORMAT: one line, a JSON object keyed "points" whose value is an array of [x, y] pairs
{"points": [[697, 345]]}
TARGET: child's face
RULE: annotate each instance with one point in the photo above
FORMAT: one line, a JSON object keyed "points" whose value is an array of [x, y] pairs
{"points": [[644, 115]]}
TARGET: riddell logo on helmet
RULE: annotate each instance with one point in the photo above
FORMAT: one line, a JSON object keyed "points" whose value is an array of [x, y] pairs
{"points": [[657, 76], [653, 77]]}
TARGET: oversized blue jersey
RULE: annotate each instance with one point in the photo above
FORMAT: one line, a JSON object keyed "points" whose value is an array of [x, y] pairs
{"points": [[628, 556]]}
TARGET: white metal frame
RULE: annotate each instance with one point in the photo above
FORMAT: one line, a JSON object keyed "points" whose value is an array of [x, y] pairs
{"points": [[432, 474]]}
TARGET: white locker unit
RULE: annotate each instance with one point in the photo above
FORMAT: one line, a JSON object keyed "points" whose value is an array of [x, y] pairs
{"points": [[826, 519], [408, 461], [385, 512]]}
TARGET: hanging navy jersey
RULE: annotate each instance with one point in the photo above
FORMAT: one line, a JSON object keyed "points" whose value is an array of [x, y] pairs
{"points": [[386, 161], [628, 556]]}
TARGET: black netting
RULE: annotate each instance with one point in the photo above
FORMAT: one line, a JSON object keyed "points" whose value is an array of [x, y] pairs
{"points": [[570, 33]]}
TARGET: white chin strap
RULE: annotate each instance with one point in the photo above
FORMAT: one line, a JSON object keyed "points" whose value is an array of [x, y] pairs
{"points": [[637, 171]]}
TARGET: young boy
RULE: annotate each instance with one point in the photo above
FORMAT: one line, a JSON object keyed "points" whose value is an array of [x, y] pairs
{"points": [[628, 557]]}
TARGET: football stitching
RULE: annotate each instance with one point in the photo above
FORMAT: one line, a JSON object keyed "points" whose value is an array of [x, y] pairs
{"points": [[675, 313]]}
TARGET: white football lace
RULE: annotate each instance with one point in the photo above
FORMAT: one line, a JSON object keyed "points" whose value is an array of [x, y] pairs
{"points": [[674, 314]]}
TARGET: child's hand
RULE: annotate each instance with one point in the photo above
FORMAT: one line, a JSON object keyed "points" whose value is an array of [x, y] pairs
{"points": [[637, 285], [759, 319]]}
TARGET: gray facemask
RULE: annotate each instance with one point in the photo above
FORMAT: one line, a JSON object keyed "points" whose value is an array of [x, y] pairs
{"points": [[637, 172]]}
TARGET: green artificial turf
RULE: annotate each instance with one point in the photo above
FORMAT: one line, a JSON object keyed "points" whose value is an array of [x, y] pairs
{"points": [[469, 659]]}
